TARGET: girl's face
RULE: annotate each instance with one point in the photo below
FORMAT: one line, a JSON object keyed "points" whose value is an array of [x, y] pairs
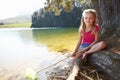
{"points": [[89, 19]]}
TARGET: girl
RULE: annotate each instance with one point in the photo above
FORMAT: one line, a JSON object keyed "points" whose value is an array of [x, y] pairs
{"points": [[89, 36]]}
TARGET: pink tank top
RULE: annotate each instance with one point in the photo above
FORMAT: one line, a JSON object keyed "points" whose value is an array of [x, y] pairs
{"points": [[88, 37]]}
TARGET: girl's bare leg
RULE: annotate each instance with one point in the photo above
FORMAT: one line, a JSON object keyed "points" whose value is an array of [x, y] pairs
{"points": [[79, 54], [96, 47]]}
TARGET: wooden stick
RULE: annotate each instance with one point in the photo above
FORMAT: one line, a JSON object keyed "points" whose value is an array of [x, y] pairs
{"points": [[59, 77], [52, 65], [86, 76]]}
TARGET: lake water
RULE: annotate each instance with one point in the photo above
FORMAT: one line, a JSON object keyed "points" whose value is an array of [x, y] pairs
{"points": [[19, 50]]}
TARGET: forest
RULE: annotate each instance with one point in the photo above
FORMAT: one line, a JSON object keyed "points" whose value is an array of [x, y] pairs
{"points": [[72, 18]]}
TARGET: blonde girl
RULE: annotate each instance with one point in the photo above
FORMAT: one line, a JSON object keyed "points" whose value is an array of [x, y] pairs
{"points": [[89, 31]]}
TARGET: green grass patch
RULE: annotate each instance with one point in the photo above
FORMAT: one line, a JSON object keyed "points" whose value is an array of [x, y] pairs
{"points": [[17, 25], [61, 40]]}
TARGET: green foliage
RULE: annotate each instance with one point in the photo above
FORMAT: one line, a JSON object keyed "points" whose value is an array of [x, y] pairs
{"points": [[65, 19], [57, 5], [60, 13]]}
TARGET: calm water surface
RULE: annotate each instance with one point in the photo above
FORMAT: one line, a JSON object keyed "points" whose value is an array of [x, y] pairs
{"points": [[20, 50]]}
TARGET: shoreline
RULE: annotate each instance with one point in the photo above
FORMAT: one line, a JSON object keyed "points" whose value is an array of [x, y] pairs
{"points": [[62, 71]]}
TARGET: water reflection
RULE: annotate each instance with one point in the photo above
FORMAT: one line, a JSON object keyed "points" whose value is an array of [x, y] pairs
{"points": [[19, 50]]}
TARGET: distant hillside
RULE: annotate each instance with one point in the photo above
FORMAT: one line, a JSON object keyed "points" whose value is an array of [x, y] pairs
{"points": [[17, 19]]}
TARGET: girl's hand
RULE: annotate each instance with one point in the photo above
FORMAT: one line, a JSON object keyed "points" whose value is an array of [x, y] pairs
{"points": [[85, 49], [73, 54], [76, 53], [79, 54], [84, 56]]}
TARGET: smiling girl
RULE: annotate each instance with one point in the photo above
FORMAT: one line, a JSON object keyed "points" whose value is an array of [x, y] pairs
{"points": [[89, 35]]}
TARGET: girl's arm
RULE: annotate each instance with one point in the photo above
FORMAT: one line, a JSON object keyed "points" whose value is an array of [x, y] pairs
{"points": [[78, 44]]}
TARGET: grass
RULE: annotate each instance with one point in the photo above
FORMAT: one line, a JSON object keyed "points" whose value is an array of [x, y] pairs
{"points": [[17, 25], [61, 40]]}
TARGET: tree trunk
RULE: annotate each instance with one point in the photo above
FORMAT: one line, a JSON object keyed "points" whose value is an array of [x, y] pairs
{"points": [[105, 62], [109, 14], [108, 63]]}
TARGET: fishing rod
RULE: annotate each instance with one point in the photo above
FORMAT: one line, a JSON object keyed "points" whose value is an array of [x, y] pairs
{"points": [[52, 64]]}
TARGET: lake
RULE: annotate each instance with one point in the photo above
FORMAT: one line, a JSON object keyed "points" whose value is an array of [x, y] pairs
{"points": [[21, 48]]}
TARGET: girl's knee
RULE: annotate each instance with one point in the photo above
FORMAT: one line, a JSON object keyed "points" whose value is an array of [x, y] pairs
{"points": [[103, 44]]}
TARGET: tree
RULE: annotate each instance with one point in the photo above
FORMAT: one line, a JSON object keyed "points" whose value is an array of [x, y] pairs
{"points": [[109, 15], [49, 18], [1, 23]]}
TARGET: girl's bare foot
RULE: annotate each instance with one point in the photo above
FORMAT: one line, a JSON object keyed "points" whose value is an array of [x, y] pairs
{"points": [[84, 57]]}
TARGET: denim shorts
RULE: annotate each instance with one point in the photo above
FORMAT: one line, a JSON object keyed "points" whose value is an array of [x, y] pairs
{"points": [[83, 46]]}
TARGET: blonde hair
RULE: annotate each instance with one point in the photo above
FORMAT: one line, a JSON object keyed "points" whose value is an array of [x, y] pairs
{"points": [[83, 26]]}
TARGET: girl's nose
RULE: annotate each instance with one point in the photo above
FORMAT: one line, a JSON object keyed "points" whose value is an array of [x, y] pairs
{"points": [[88, 20]]}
